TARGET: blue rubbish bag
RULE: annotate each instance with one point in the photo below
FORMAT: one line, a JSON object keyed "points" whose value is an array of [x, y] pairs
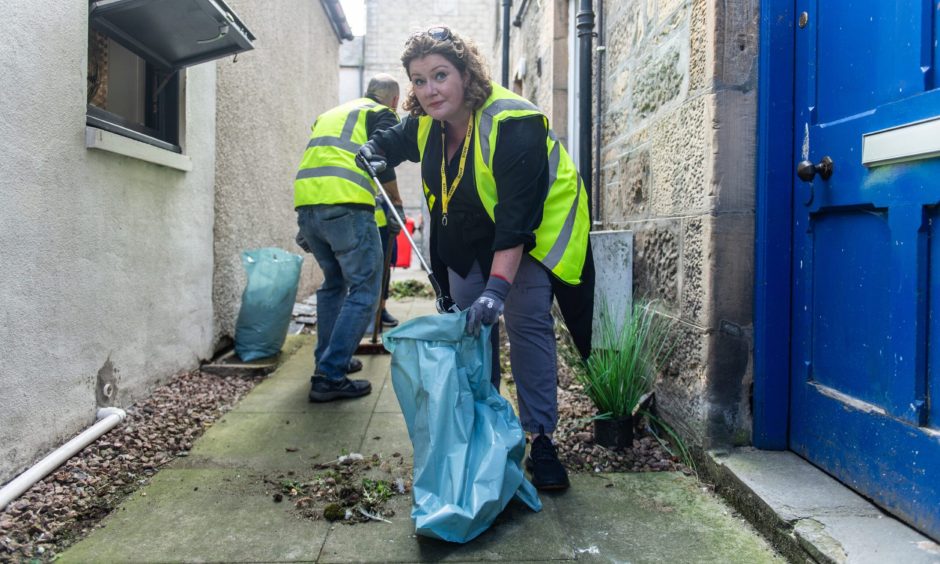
{"points": [[267, 302], [468, 442]]}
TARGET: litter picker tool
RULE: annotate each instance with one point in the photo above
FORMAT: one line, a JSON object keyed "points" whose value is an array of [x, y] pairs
{"points": [[437, 287]]}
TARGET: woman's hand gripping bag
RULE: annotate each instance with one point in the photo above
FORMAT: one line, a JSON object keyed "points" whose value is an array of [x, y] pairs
{"points": [[468, 442], [267, 302]]}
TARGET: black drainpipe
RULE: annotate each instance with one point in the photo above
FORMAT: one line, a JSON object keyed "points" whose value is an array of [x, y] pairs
{"points": [[598, 217], [585, 36], [507, 7]]}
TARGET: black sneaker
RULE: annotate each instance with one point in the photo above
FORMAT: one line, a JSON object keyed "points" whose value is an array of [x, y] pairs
{"points": [[323, 389], [355, 365], [542, 462], [388, 320]]}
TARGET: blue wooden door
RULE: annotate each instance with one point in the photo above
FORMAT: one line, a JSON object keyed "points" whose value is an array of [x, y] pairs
{"points": [[865, 383]]}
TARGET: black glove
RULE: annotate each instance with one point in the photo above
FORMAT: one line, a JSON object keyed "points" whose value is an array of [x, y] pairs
{"points": [[486, 309], [446, 305], [371, 154], [393, 228], [302, 243]]}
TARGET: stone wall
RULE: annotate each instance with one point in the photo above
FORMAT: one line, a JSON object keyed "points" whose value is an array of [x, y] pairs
{"points": [[267, 102], [389, 23], [538, 60], [677, 168]]}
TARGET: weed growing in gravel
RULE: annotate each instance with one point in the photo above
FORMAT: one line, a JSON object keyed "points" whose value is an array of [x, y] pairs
{"points": [[410, 289]]}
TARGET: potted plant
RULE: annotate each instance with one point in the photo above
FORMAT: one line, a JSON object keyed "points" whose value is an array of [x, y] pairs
{"points": [[619, 374]]}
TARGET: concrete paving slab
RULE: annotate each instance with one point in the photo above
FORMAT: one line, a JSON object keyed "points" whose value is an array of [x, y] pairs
{"points": [[519, 534], [286, 390], [654, 517], [202, 516], [808, 514], [410, 308], [393, 436], [388, 401], [277, 441], [215, 506]]}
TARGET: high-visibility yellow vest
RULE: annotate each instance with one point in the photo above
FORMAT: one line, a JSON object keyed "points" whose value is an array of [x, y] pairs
{"points": [[561, 239], [328, 173]]}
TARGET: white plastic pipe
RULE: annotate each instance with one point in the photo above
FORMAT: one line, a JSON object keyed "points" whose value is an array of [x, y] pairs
{"points": [[108, 418]]}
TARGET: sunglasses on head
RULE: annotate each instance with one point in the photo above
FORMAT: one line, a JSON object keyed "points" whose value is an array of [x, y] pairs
{"points": [[439, 33]]}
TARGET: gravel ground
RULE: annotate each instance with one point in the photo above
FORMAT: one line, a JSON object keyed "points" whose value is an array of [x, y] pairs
{"points": [[574, 436], [69, 503]]}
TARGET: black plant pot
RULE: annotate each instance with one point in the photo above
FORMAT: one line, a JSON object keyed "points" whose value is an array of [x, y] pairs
{"points": [[614, 432]]}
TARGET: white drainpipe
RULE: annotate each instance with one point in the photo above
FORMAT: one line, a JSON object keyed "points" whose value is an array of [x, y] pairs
{"points": [[108, 418]]}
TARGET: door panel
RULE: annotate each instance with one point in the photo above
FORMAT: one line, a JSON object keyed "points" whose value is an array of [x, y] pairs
{"points": [[870, 56], [849, 253], [866, 285]]}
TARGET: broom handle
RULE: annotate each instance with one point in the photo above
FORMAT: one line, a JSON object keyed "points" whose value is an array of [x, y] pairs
{"points": [[377, 322]]}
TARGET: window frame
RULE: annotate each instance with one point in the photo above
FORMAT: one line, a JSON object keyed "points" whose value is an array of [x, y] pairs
{"points": [[135, 26]]}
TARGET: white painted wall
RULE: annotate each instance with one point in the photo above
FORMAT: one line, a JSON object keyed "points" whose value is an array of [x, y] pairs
{"points": [[267, 103], [104, 257]]}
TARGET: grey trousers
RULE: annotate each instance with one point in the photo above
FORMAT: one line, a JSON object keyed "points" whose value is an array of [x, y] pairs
{"points": [[531, 331]]}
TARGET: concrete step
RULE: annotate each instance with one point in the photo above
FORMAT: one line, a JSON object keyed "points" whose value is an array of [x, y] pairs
{"points": [[809, 516]]}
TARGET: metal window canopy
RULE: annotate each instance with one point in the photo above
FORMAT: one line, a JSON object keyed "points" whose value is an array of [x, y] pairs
{"points": [[172, 33]]}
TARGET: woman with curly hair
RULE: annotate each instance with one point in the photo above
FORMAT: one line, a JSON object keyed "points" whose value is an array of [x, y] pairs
{"points": [[508, 215]]}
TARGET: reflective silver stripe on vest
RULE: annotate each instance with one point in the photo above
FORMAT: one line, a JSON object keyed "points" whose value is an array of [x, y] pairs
{"points": [[338, 142], [553, 257], [350, 126], [336, 171], [344, 141], [486, 120]]}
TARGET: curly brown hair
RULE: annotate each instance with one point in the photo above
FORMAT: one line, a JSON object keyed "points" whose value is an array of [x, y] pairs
{"points": [[460, 52]]}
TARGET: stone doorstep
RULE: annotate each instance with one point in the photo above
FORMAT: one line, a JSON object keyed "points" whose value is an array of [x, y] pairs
{"points": [[809, 516]]}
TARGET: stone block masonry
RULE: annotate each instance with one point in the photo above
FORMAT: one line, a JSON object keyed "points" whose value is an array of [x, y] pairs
{"points": [[676, 168]]}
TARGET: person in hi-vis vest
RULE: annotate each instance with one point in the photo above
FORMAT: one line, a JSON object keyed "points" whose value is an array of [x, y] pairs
{"points": [[508, 210], [335, 204]]}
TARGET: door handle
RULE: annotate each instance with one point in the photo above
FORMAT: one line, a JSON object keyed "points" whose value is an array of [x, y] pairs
{"points": [[806, 170]]}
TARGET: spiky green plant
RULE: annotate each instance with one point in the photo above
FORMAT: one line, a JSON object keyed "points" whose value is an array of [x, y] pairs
{"points": [[681, 451], [623, 367]]}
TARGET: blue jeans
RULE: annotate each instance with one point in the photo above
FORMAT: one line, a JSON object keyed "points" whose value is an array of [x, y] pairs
{"points": [[345, 242]]}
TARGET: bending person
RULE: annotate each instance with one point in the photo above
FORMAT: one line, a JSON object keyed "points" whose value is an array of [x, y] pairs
{"points": [[335, 203], [508, 215]]}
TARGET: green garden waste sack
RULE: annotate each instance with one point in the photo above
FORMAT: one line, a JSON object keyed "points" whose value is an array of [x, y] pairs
{"points": [[267, 302], [468, 442]]}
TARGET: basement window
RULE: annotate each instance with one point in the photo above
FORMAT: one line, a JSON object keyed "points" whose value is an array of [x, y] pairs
{"points": [[137, 54]]}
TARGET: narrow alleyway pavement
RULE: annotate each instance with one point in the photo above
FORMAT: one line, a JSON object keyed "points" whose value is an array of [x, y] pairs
{"points": [[216, 505]]}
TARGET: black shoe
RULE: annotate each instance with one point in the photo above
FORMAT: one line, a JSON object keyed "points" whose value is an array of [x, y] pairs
{"points": [[542, 462], [355, 365], [323, 389], [388, 320]]}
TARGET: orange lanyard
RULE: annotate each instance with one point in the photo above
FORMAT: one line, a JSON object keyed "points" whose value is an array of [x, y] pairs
{"points": [[447, 193]]}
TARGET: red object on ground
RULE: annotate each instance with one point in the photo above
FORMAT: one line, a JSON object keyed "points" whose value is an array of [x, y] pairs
{"points": [[404, 248]]}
